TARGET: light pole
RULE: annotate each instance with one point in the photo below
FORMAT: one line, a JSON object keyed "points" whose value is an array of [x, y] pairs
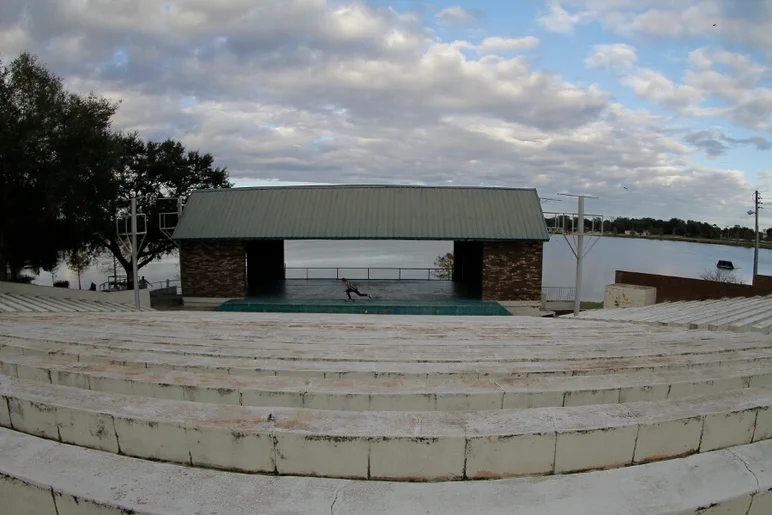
{"points": [[134, 270], [579, 251], [755, 211]]}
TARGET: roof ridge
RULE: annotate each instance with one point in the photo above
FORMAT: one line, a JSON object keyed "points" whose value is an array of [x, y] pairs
{"points": [[363, 186]]}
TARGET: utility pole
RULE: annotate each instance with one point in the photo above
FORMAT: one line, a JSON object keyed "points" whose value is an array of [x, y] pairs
{"points": [[757, 203], [134, 270], [579, 251]]}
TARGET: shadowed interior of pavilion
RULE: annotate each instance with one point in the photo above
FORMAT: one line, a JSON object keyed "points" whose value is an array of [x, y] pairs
{"points": [[497, 236]]}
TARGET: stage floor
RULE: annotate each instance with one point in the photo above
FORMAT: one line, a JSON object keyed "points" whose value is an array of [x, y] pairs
{"points": [[331, 289], [367, 306]]}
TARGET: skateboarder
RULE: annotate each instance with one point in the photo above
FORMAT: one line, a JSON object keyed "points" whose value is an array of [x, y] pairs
{"points": [[353, 288]]}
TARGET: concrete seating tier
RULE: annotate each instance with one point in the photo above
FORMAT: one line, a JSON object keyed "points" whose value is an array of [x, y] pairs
{"points": [[21, 303], [44, 477], [358, 370], [386, 394], [383, 401], [737, 315], [422, 446]]}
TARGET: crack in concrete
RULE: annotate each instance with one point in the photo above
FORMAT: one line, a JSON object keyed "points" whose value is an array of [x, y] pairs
{"points": [[555, 451], [53, 497], [335, 499], [503, 393], [758, 483], [637, 432]]}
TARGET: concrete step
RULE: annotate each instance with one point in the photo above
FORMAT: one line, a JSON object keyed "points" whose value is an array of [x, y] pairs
{"points": [[37, 476], [15, 302], [386, 394], [396, 446], [239, 366], [702, 310], [371, 347], [715, 315]]}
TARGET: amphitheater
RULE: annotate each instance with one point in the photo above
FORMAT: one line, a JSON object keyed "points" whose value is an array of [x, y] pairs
{"points": [[243, 413]]}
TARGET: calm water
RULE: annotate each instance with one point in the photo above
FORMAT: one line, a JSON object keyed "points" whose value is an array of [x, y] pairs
{"points": [[608, 255]]}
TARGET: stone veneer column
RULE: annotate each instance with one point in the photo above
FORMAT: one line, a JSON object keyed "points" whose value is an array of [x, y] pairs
{"points": [[512, 271], [214, 269]]}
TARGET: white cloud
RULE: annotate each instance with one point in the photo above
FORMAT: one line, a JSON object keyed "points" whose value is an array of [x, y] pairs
{"points": [[497, 44], [561, 21], [737, 22], [653, 85], [457, 15], [306, 91], [613, 56]]}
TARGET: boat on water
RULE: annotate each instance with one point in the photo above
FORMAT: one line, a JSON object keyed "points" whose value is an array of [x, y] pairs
{"points": [[726, 265]]}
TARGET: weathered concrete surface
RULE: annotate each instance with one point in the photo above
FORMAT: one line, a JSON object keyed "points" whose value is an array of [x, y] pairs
{"points": [[388, 445], [752, 314], [731, 481], [385, 394], [70, 298], [628, 296]]}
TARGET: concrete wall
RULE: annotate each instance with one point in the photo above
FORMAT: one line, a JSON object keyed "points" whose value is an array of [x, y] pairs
{"points": [[672, 289], [512, 271], [213, 269], [629, 296], [119, 297]]}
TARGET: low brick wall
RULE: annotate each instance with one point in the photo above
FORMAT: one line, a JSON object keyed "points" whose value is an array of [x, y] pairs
{"points": [[213, 269], [512, 271], [672, 289]]}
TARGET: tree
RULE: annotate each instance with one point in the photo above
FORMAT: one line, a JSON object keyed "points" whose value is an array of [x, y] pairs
{"points": [[55, 151], [721, 276], [444, 264], [79, 259], [153, 172]]}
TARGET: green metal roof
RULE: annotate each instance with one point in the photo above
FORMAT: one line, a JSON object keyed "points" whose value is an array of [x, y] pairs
{"points": [[363, 212]]}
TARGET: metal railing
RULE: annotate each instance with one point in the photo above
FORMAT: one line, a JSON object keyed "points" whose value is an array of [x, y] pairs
{"points": [[559, 293], [367, 273], [121, 284]]}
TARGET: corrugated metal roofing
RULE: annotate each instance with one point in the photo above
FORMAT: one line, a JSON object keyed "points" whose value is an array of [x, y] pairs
{"points": [[364, 212]]}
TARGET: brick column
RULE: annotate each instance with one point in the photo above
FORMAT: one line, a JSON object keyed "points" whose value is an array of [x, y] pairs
{"points": [[214, 269], [512, 271]]}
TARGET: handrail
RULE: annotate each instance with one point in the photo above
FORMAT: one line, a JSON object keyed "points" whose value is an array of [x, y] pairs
{"points": [[559, 293], [370, 273]]}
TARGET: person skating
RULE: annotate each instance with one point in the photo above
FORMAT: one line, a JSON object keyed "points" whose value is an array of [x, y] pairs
{"points": [[353, 288]]}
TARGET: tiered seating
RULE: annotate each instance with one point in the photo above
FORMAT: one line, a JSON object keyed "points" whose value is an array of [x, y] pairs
{"points": [[21, 303], [737, 315], [360, 405]]}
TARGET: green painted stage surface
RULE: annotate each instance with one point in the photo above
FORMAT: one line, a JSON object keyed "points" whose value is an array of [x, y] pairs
{"points": [[367, 306]]}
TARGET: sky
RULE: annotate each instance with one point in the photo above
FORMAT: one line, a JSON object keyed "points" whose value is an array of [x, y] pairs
{"points": [[660, 108]]}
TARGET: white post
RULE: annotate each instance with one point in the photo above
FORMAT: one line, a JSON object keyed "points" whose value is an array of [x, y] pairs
{"points": [[579, 256], [134, 250], [756, 250]]}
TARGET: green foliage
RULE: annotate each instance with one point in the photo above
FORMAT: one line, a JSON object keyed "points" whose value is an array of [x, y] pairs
{"points": [[676, 227], [55, 164], [721, 276], [65, 176], [155, 173], [444, 265]]}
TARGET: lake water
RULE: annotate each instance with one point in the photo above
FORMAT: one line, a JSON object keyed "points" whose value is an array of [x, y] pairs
{"points": [[607, 256]]}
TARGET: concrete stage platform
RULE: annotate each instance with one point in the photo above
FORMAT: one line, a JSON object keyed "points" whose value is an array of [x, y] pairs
{"points": [[392, 297], [367, 306]]}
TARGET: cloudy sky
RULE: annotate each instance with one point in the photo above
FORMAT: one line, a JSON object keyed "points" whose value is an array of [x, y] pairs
{"points": [[671, 99]]}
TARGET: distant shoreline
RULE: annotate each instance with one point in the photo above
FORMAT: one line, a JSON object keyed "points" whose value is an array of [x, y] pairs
{"points": [[730, 243]]}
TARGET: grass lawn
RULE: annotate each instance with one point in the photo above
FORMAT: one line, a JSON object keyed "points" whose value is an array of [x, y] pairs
{"points": [[591, 305]]}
